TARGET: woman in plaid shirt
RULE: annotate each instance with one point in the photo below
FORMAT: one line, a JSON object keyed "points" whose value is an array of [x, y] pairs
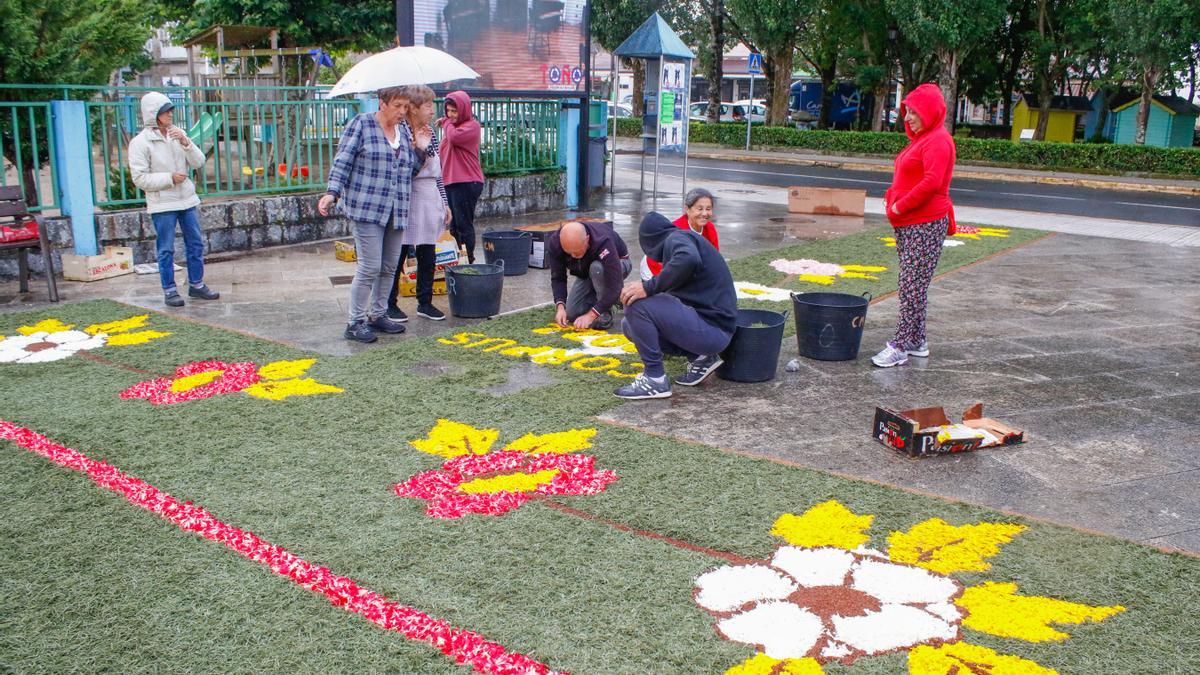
{"points": [[371, 179]]}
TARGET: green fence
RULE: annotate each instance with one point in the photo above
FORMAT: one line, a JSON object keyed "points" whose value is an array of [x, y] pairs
{"points": [[251, 146], [257, 140], [27, 147]]}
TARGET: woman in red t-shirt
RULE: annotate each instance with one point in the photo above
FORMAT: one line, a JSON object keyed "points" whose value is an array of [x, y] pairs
{"points": [[919, 208], [697, 216]]}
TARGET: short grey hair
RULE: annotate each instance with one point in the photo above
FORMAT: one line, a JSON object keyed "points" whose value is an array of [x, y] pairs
{"points": [[388, 93], [696, 194]]}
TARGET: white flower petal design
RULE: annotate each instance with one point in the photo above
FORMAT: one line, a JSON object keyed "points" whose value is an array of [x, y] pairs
{"points": [[945, 610], [814, 566], [784, 630], [892, 627], [592, 349], [862, 603], [728, 588], [902, 584], [42, 347], [751, 291]]}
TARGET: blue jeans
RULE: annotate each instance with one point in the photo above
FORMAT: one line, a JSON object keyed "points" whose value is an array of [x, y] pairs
{"points": [[193, 243], [662, 323]]}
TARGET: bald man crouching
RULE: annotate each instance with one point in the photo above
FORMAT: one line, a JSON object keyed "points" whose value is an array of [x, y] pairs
{"points": [[599, 259]]}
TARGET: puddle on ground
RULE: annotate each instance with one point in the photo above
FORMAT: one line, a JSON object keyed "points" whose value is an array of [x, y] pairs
{"points": [[521, 377], [433, 369]]}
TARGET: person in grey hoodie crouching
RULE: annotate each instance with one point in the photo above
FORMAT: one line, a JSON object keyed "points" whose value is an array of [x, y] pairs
{"points": [[689, 309], [161, 158]]}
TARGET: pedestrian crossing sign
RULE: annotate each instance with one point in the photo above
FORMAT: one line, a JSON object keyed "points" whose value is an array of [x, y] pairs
{"points": [[754, 67]]}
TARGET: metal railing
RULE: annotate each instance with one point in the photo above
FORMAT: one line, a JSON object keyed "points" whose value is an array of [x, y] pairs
{"points": [[257, 140], [27, 147], [252, 147]]}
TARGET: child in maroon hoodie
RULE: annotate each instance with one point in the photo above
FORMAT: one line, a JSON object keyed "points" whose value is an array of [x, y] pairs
{"points": [[461, 172], [919, 208]]}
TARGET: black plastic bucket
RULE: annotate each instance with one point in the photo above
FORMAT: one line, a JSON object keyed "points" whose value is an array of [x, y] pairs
{"points": [[829, 326], [753, 353], [512, 247], [474, 290]]}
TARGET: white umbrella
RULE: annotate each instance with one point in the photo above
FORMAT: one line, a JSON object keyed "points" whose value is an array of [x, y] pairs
{"points": [[401, 66]]}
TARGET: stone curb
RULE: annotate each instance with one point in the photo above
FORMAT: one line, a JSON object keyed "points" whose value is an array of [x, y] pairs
{"points": [[1098, 183]]}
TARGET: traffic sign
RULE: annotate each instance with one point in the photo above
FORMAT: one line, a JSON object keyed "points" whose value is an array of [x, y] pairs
{"points": [[754, 67]]}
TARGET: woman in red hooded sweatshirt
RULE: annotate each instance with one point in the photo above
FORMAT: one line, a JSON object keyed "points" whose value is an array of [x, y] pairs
{"points": [[461, 172], [919, 208]]}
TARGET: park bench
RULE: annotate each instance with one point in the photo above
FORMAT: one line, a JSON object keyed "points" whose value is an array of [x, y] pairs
{"points": [[15, 214]]}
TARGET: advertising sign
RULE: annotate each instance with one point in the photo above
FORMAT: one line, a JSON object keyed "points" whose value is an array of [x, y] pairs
{"points": [[514, 45]]}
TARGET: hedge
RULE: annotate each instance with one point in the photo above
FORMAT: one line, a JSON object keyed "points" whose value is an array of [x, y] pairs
{"points": [[1089, 157]]}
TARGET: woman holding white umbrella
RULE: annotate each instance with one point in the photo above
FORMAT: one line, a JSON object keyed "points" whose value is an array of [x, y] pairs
{"points": [[373, 171], [371, 178]]}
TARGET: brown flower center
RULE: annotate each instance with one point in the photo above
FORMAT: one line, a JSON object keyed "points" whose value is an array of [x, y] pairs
{"points": [[40, 346], [826, 601]]}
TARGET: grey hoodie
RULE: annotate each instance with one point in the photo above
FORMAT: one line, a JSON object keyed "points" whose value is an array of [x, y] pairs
{"points": [[153, 158]]}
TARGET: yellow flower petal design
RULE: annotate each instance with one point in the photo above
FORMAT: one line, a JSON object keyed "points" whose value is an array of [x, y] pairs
{"points": [[761, 664], [122, 326], [888, 241], [993, 232], [559, 443], [964, 658], [817, 279], [190, 382], [966, 235], [864, 268], [281, 370], [996, 609], [941, 547], [278, 390], [826, 524], [45, 325], [137, 338], [513, 482], [858, 275], [453, 439]]}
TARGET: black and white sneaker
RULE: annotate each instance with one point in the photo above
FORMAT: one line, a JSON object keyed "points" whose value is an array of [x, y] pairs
{"points": [[382, 323], [699, 369], [396, 314], [643, 387], [430, 312], [359, 332]]}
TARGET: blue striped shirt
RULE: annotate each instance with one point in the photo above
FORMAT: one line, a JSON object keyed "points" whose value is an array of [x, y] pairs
{"points": [[371, 181]]}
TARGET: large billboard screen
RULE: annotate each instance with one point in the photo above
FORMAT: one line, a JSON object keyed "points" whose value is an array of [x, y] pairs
{"points": [[514, 45]]}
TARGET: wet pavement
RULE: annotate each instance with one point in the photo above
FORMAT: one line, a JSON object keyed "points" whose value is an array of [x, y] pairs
{"points": [[1091, 344]]}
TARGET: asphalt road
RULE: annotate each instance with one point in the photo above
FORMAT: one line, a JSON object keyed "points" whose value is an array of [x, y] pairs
{"points": [[1148, 207]]}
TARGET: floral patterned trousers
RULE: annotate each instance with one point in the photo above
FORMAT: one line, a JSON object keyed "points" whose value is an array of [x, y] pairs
{"points": [[919, 247]]}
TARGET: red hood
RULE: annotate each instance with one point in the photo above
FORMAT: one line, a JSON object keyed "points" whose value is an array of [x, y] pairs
{"points": [[462, 101], [929, 105]]}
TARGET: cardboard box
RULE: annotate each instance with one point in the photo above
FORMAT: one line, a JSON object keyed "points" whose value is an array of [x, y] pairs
{"points": [[537, 252], [345, 251], [827, 201], [408, 276], [113, 261], [919, 432]]}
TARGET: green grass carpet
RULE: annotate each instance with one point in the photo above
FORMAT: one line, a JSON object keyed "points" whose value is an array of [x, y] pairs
{"points": [[92, 583]]}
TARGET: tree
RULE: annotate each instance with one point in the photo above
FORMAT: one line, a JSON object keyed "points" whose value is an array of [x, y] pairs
{"points": [[948, 29], [1160, 35], [611, 22], [64, 42], [711, 56], [771, 27], [360, 25], [870, 62], [1063, 33], [820, 46]]}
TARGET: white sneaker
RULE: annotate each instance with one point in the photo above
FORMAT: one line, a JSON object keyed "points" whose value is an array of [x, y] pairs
{"points": [[890, 356], [922, 351]]}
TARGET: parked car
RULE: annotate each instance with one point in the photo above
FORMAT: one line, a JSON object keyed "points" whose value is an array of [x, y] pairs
{"points": [[623, 110], [730, 112]]}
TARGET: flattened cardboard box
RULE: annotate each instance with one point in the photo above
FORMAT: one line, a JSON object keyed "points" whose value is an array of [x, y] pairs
{"points": [[827, 201], [537, 252], [915, 432], [113, 261]]}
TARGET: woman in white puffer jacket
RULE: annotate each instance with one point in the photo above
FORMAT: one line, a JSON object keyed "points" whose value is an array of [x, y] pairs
{"points": [[160, 159]]}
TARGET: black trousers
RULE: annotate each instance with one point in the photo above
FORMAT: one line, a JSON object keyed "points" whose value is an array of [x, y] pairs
{"points": [[426, 255], [463, 197]]}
